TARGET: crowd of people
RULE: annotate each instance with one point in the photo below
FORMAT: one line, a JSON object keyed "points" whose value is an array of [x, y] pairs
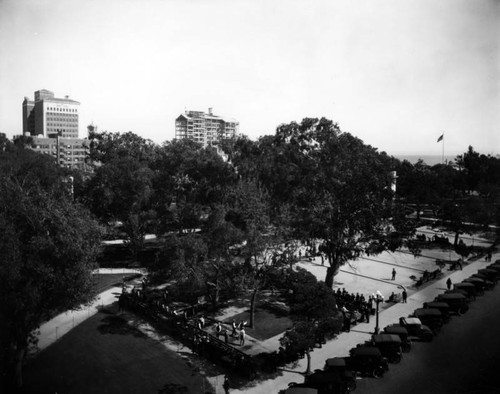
{"points": [[358, 308]]}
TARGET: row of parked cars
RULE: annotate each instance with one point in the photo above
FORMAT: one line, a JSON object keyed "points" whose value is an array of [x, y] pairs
{"points": [[373, 357]]}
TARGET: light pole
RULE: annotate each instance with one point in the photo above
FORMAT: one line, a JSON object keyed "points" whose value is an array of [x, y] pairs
{"points": [[378, 299]]}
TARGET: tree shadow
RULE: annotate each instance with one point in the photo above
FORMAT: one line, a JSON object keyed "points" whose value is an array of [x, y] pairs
{"points": [[173, 388], [113, 324]]}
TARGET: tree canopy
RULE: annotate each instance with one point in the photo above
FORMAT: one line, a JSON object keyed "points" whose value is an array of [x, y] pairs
{"points": [[48, 248]]}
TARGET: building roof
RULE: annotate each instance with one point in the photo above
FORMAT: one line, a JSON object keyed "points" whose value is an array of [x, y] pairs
{"points": [[59, 100]]}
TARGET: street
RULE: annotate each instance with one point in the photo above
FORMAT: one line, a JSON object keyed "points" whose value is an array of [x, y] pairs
{"points": [[463, 358]]}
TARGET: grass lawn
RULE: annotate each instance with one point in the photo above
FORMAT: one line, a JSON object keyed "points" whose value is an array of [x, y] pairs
{"points": [[106, 355], [267, 323]]}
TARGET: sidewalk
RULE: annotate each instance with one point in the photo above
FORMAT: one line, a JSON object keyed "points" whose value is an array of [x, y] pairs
{"points": [[340, 346]]}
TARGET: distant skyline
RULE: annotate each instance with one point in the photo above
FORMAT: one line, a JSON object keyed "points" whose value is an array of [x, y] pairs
{"points": [[396, 74]]}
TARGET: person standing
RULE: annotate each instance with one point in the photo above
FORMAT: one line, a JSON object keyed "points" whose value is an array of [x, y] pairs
{"points": [[233, 325], [226, 385], [218, 330], [405, 296], [448, 284], [393, 274], [242, 337]]}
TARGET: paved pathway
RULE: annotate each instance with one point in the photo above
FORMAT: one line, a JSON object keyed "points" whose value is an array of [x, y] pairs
{"points": [[340, 346]]}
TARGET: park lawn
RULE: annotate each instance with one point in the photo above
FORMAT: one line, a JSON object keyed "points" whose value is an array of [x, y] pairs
{"points": [[267, 323], [106, 355]]}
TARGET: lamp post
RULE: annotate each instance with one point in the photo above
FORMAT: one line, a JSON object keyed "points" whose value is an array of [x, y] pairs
{"points": [[378, 299]]}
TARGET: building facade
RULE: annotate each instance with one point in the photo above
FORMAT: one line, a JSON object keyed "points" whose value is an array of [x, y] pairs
{"points": [[205, 128], [68, 152], [50, 115], [53, 125]]}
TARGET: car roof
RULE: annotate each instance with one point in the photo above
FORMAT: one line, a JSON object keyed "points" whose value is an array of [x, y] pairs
{"points": [[365, 351], [451, 296], [335, 362], [412, 320], [396, 330], [462, 284], [437, 304], [301, 390], [427, 312], [379, 338]]}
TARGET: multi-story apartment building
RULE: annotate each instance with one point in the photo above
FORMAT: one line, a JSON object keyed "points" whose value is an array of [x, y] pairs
{"points": [[53, 125], [205, 128], [48, 115]]}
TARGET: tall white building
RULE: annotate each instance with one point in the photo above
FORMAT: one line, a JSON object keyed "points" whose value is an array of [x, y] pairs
{"points": [[53, 124], [50, 115], [205, 128]]}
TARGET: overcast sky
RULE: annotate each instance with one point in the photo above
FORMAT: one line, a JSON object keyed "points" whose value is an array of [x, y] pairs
{"points": [[395, 73]]}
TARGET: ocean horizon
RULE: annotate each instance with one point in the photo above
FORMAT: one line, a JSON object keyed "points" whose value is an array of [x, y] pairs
{"points": [[430, 160]]}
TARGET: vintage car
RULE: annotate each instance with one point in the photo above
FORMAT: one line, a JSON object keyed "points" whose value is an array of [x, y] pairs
{"points": [[416, 330], [389, 345], [443, 307], [457, 302], [479, 283], [430, 317], [403, 335], [490, 274], [489, 284], [468, 287], [338, 366], [327, 382], [367, 360], [459, 291]]}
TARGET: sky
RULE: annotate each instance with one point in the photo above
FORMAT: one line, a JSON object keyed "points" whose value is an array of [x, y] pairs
{"points": [[396, 74]]}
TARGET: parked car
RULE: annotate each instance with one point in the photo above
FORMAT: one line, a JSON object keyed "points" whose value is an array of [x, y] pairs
{"points": [[403, 335], [478, 283], [327, 382], [367, 360], [459, 291], [416, 329], [457, 302], [390, 346], [431, 317], [489, 284], [491, 274], [338, 365], [468, 287], [442, 307]]}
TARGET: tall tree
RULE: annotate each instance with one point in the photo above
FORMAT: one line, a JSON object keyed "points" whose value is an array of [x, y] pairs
{"points": [[48, 247], [344, 198]]}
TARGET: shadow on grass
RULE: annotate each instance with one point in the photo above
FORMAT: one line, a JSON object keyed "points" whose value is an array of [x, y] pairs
{"points": [[173, 388], [113, 324]]}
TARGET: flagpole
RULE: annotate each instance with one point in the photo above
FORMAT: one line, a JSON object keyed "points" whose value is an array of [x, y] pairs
{"points": [[442, 154]]}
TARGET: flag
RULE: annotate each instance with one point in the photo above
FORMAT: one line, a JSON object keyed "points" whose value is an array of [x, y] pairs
{"points": [[440, 138]]}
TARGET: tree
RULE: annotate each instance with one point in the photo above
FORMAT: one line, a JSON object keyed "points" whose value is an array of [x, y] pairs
{"points": [[48, 247], [343, 196], [300, 339], [312, 306], [121, 190], [106, 147], [249, 212]]}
